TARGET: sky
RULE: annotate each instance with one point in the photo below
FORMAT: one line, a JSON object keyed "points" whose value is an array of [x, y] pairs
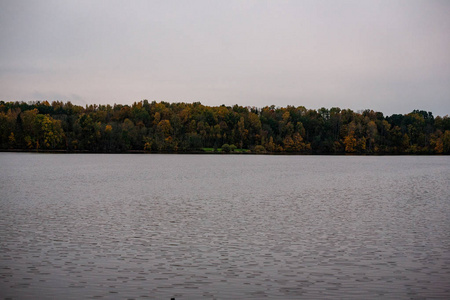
{"points": [[390, 56]]}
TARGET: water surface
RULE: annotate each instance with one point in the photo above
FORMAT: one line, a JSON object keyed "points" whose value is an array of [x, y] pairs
{"points": [[129, 226]]}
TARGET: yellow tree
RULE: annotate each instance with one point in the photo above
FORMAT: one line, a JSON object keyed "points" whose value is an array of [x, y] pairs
{"points": [[270, 146], [299, 144], [164, 135], [436, 142], [243, 133], [51, 133], [288, 143], [350, 142]]}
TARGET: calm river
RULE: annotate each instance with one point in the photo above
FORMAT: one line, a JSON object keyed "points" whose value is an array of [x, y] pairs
{"points": [[84, 226]]}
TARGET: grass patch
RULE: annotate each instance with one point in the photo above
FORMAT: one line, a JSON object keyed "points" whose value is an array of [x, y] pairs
{"points": [[220, 150], [241, 150]]}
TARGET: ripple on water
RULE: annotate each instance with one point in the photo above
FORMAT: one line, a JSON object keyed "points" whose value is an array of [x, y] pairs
{"points": [[224, 227]]}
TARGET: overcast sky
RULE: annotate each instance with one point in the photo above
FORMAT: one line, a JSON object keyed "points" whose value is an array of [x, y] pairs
{"points": [[389, 56]]}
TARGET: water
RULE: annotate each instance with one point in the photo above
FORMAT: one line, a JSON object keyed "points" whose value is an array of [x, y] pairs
{"points": [[76, 226]]}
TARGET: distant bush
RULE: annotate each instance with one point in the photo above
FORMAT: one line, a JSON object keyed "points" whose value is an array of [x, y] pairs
{"points": [[260, 149], [226, 148]]}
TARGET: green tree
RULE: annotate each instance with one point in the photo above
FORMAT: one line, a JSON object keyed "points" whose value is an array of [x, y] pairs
{"points": [[226, 148], [446, 142]]}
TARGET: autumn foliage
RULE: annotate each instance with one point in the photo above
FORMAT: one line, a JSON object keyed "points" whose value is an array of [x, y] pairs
{"points": [[185, 127]]}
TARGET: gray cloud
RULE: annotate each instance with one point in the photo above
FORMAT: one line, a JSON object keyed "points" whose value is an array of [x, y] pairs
{"points": [[391, 56]]}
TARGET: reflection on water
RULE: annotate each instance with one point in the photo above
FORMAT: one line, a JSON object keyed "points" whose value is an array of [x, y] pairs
{"points": [[223, 227]]}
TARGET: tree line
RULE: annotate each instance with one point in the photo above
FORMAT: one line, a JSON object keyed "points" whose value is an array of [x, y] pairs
{"points": [[192, 127]]}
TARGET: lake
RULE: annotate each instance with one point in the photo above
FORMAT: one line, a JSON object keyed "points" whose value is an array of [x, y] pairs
{"points": [[154, 226]]}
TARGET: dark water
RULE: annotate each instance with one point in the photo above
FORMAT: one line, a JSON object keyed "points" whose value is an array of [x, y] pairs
{"points": [[224, 227]]}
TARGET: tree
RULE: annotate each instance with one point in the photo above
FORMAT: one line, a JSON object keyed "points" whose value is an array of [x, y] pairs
{"points": [[371, 134], [446, 142], [243, 132], [271, 145], [162, 126], [350, 143], [30, 128], [260, 149], [8, 126], [226, 148], [288, 143], [51, 134]]}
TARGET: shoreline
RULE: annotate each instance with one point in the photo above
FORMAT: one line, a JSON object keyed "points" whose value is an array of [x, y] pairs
{"points": [[199, 152]]}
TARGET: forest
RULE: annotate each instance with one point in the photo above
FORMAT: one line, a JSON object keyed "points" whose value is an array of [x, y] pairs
{"points": [[162, 127]]}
